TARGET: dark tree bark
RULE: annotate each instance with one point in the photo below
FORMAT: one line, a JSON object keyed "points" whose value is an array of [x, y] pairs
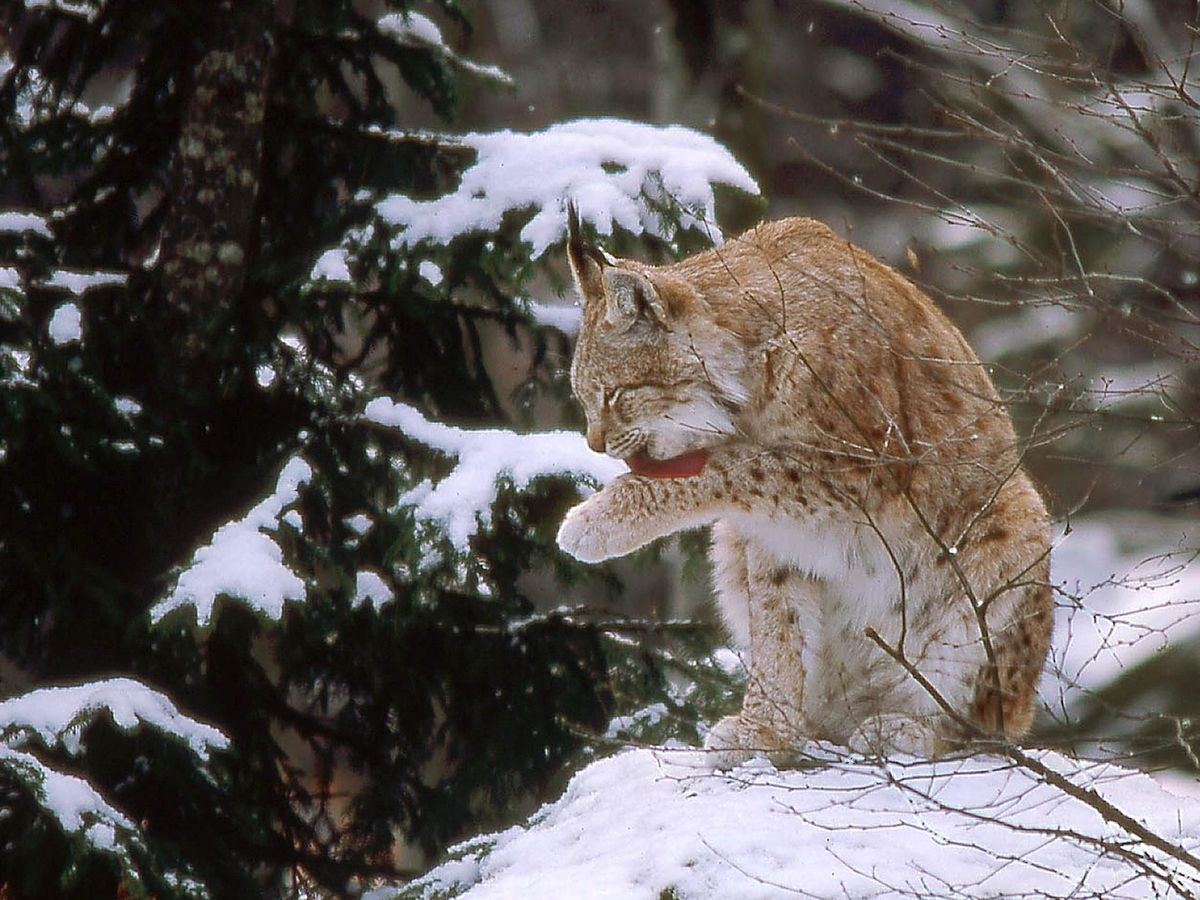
{"points": [[214, 178]]}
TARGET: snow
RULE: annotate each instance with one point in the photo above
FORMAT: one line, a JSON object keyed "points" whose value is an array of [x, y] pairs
{"points": [[370, 587], [462, 501], [1108, 122], [359, 523], [649, 716], [1147, 382], [852, 75], [430, 271], [58, 715], [411, 26], [72, 801], [1127, 195], [566, 319], [243, 561], [15, 221], [331, 266], [416, 30], [66, 324], [78, 282], [98, 114], [653, 823], [127, 406], [82, 8], [19, 361], [987, 228], [10, 278], [649, 823], [615, 170]]}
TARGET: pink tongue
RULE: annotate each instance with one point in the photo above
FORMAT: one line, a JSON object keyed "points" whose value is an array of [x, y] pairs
{"points": [[683, 466]]}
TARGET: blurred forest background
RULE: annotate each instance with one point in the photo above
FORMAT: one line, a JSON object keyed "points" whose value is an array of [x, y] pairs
{"points": [[204, 283]]}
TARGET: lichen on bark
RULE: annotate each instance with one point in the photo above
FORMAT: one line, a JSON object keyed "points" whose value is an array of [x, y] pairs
{"points": [[208, 231]]}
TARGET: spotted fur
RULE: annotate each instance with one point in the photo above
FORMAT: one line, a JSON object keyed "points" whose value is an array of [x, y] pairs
{"points": [[863, 479]]}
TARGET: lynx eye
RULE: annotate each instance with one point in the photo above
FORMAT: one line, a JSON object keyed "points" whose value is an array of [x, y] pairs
{"points": [[615, 396]]}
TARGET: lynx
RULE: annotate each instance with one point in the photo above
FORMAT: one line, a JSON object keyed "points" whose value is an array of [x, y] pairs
{"points": [[877, 548]]}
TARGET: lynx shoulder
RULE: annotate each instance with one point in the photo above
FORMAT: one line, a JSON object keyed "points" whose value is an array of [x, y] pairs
{"points": [[878, 550]]}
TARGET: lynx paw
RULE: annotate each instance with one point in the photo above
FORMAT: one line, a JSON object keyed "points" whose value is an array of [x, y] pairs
{"points": [[884, 735], [590, 535], [723, 744], [733, 741]]}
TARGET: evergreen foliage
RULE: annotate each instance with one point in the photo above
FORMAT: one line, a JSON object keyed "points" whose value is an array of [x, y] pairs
{"points": [[172, 339]]}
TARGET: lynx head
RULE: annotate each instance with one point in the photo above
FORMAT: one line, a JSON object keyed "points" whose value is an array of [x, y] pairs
{"points": [[655, 375]]}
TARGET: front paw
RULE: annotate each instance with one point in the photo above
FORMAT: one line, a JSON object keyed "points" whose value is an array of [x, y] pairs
{"points": [[725, 744], [735, 740], [590, 534], [886, 734]]}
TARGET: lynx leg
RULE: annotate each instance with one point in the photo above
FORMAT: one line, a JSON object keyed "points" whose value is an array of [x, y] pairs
{"points": [[635, 510], [1019, 650], [987, 673], [1008, 550], [731, 584], [782, 622]]}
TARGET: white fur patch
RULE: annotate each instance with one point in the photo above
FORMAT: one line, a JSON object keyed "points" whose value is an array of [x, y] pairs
{"points": [[694, 423], [857, 587], [851, 556]]}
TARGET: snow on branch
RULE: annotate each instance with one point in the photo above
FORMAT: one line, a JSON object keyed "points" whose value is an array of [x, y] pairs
{"points": [[615, 170], [566, 319], [70, 800], [66, 324], [412, 29], [462, 501], [37, 103], [85, 9], [646, 823], [243, 560], [79, 282], [14, 221], [58, 715], [55, 717]]}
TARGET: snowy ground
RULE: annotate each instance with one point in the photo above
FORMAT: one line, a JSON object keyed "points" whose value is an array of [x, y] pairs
{"points": [[652, 824], [656, 824]]}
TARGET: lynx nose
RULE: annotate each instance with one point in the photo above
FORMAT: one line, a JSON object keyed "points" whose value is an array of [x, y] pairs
{"points": [[596, 438]]}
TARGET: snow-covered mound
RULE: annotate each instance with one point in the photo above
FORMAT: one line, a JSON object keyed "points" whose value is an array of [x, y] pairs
{"points": [[656, 824]]}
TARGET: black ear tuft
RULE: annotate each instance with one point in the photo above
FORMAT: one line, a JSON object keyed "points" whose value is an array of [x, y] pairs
{"points": [[575, 243], [579, 250], [587, 261]]}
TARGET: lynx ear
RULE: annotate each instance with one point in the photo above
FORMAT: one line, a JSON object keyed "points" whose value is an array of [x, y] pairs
{"points": [[631, 298], [587, 261]]}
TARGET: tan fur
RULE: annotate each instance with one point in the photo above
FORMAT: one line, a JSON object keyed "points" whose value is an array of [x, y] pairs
{"points": [[863, 475]]}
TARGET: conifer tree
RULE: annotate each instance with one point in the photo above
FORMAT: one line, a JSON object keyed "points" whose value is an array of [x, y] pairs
{"points": [[261, 608]]}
